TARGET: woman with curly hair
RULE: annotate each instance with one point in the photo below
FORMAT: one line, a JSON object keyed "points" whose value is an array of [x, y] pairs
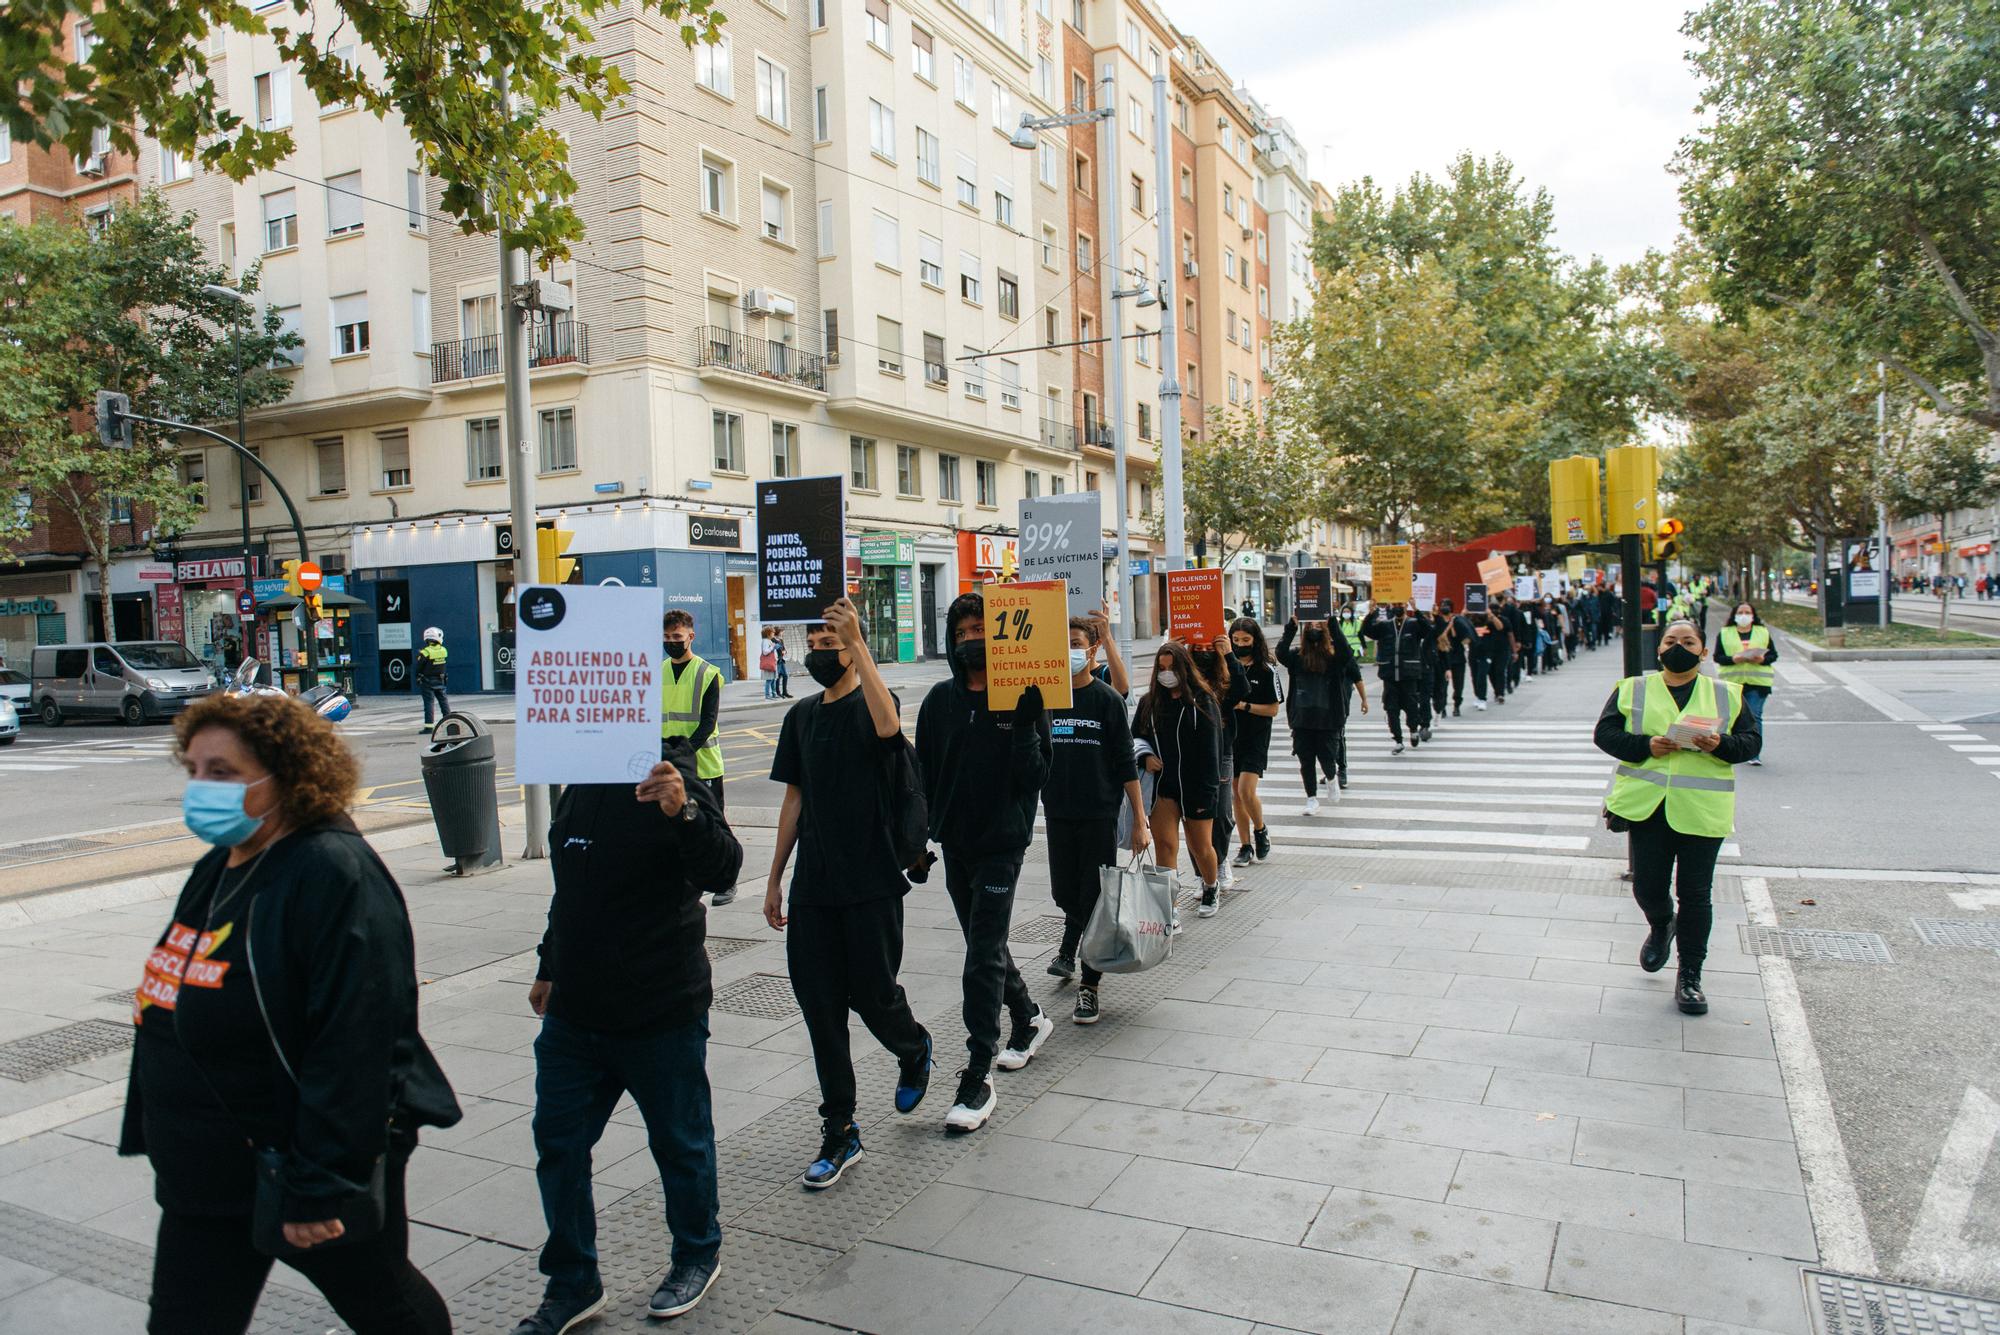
{"points": [[278, 1079]]}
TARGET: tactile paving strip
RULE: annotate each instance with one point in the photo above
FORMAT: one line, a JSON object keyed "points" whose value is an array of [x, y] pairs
{"points": [[1966, 932], [766, 996], [720, 947], [50, 1051], [1043, 930], [1810, 943], [1845, 1305]]}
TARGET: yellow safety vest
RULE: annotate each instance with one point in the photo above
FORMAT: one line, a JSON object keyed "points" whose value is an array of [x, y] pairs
{"points": [[434, 656], [1699, 790], [680, 709], [1747, 674]]}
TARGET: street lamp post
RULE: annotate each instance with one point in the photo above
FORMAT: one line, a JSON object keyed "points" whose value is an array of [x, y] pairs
{"points": [[243, 307]]}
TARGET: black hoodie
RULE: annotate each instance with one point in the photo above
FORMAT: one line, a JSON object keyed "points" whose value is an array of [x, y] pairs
{"points": [[325, 926], [982, 776], [626, 926]]}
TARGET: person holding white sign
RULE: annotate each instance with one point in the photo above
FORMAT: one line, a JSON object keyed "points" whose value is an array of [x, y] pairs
{"points": [[844, 934], [1744, 654]]}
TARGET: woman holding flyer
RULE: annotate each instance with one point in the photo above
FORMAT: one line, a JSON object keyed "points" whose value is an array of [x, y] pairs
{"points": [[1676, 734], [1179, 718]]}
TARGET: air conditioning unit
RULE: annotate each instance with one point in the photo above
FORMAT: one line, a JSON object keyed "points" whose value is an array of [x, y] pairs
{"points": [[1246, 234], [91, 166], [1190, 270], [756, 301], [784, 306]]}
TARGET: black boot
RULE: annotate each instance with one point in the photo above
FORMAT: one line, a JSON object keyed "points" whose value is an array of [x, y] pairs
{"points": [[1688, 994], [1659, 946]]}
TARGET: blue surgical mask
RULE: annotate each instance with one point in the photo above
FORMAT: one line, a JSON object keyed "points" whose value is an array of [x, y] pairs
{"points": [[213, 810], [1079, 659]]}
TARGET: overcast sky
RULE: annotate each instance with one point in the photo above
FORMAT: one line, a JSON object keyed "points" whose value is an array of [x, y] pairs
{"points": [[1588, 97]]}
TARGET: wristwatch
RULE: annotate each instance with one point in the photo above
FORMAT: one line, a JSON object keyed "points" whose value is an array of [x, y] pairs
{"points": [[687, 811]]}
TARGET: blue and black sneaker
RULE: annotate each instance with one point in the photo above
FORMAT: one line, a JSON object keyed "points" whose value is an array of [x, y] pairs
{"points": [[839, 1147], [914, 1081]]}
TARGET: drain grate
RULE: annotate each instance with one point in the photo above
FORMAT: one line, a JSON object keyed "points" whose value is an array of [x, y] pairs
{"points": [[1967, 932], [1042, 929], [45, 1053], [763, 996], [721, 947], [47, 848], [120, 998], [1811, 943], [1844, 1305]]}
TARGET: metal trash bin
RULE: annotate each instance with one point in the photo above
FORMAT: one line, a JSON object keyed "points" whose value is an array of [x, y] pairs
{"points": [[1649, 645], [458, 768]]}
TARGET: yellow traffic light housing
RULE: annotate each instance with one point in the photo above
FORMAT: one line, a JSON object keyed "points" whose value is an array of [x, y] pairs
{"points": [[1010, 565], [314, 610], [292, 585], [1666, 544], [1574, 513], [1632, 490], [551, 566]]}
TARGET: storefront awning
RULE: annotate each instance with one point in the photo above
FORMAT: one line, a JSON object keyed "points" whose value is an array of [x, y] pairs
{"points": [[329, 600]]}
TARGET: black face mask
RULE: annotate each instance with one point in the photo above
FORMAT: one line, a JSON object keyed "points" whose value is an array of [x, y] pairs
{"points": [[824, 666], [1245, 652], [676, 648], [1315, 635], [970, 656], [1679, 658]]}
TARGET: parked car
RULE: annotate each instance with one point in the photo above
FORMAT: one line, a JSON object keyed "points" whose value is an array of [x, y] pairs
{"points": [[16, 689], [10, 721], [137, 681]]}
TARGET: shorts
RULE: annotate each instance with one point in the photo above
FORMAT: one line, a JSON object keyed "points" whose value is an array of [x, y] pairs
{"points": [[1203, 808], [1253, 754]]}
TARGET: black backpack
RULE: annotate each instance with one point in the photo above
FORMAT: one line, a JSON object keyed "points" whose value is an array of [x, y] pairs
{"points": [[905, 813]]}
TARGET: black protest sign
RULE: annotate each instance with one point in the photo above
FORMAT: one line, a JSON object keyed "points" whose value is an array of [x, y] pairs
{"points": [[1312, 594], [800, 546], [1475, 598]]}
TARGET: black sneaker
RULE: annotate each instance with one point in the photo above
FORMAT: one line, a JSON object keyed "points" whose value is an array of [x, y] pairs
{"points": [[558, 1315], [1343, 778], [913, 1082], [1246, 856], [1264, 838], [1086, 1006], [1424, 733], [973, 1104], [839, 1146], [1688, 994], [683, 1289], [724, 897], [1210, 897], [1025, 1041], [1456, 712], [1659, 945], [1063, 966]]}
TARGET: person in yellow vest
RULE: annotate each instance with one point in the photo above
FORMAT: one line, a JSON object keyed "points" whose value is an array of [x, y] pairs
{"points": [[1743, 655], [1676, 796], [691, 706], [431, 675]]}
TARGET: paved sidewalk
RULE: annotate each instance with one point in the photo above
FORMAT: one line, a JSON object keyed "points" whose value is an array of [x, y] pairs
{"points": [[1381, 1092]]}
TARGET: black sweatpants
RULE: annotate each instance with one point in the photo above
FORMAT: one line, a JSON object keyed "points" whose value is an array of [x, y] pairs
{"points": [[207, 1277], [1456, 669], [1667, 865], [1077, 848], [1438, 684], [844, 958], [1318, 750], [1404, 700], [982, 895]]}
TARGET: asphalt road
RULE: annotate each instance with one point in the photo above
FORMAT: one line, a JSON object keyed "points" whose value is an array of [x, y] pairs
{"points": [[1981, 615]]}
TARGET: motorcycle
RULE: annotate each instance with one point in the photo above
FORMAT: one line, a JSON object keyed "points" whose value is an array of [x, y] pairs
{"points": [[325, 699]]}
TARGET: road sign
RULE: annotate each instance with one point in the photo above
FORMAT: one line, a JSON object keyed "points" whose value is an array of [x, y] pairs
{"points": [[310, 576]]}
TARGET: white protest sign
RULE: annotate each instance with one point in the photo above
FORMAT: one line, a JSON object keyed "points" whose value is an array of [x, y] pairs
{"points": [[1062, 539], [586, 684], [1553, 581], [1424, 591], [1524, 588]]}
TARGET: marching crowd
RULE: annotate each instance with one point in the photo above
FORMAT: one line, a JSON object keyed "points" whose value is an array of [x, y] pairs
{"points": [[279, 1079]]}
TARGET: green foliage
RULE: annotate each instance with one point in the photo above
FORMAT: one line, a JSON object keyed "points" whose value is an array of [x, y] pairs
{"points": [[1849, 170], [124, 311], [1251, 479], [437, 65]]}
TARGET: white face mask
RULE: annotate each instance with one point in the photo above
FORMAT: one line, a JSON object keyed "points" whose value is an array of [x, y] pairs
{"points": [[1168, 678], [1079, 659], [1744, 619]]}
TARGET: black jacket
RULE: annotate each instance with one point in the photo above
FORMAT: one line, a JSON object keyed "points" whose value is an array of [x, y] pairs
{"points": [[982, 775], [335, 965], [624, 942], [1316, 702], [1186, 733], [1402, 648]]}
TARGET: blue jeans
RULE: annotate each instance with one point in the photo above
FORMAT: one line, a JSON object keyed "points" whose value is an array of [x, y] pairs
{"points": [[434, 691], [580, 1074], [1753, 700]]}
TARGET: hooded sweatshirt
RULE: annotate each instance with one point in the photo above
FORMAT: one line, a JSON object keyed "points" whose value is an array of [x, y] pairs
{"points": [[982, 775]]}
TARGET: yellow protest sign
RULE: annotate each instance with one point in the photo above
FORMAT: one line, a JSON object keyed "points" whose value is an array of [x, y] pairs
{"points": [[1576, 567], [1027, 643], [1393, 564]]}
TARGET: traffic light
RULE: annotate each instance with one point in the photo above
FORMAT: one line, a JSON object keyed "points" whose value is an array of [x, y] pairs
{"points": [[114, 427], [551, 566], [1667, 542], [314, 610], [1632, 490], [292, 585], [1010, 565], [1574, 515]]}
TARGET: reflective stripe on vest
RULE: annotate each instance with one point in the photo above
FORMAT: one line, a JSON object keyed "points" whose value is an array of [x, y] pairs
{"points": [[680, 709], [1747, 674], [1699, 791]]}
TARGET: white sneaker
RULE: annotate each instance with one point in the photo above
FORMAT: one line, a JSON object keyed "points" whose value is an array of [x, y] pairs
{"points": [[1480, 705], [1227, 880], [975, 1103], [1025, 1042], [1312, 806]]}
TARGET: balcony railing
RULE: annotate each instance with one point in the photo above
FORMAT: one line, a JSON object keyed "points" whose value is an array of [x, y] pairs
{"points": [[1058, 436], [734, 350], [1097, 433], [561, 343]]}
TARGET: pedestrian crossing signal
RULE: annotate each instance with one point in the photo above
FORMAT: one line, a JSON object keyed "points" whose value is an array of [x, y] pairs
{"points": [[1632, 490], [1574, 513], [293, 586], [1667, 542], [551, 566]]}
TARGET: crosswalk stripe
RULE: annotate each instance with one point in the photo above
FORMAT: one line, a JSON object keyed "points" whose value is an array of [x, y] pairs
{"points": [[1307, 834], [1402, 775], [26, 767], [1332, 810], [1375, 792]]}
